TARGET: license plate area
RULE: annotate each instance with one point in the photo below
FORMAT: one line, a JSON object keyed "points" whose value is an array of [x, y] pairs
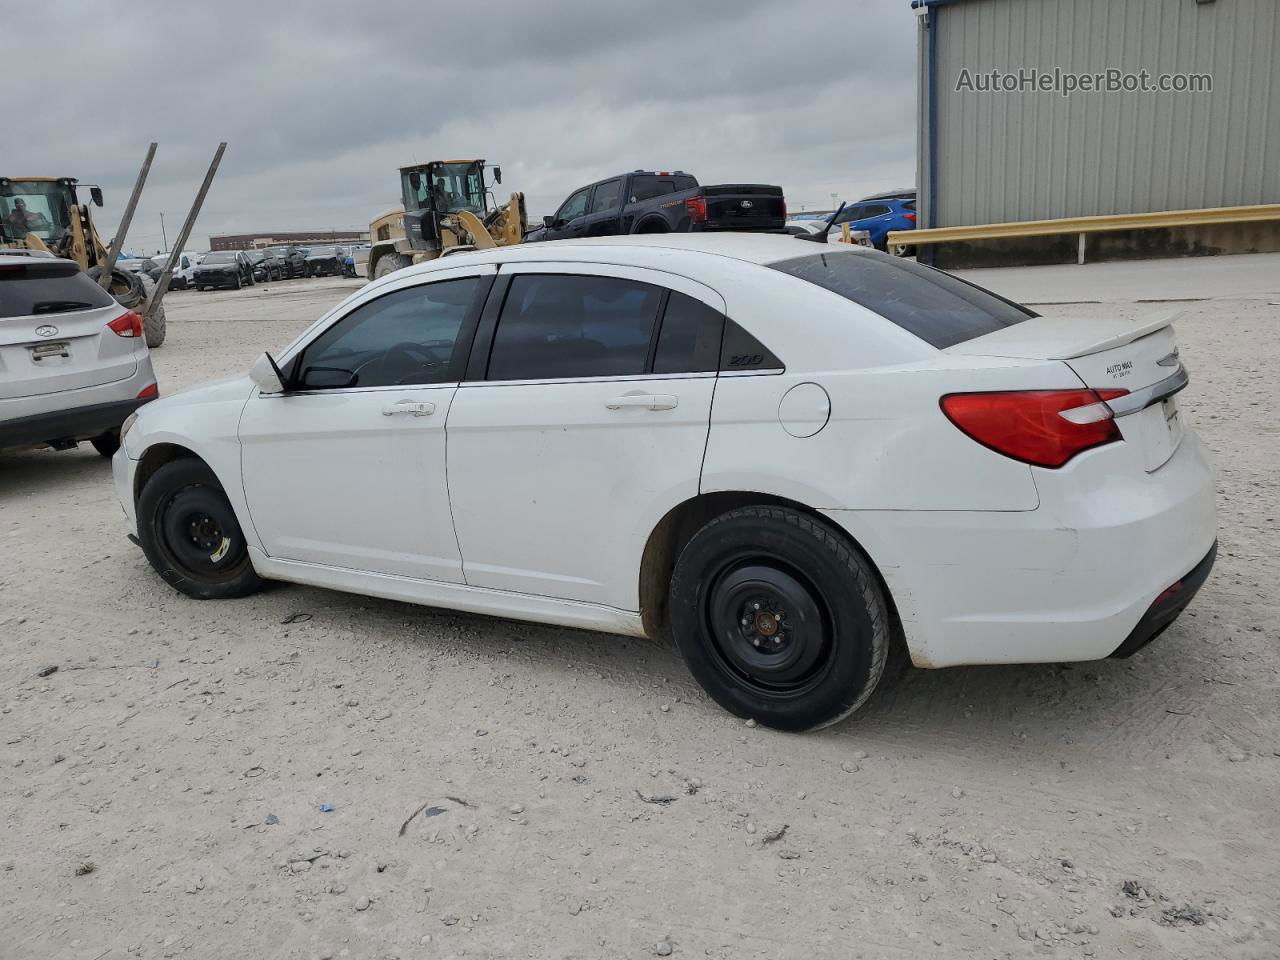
{"points": [[1159, 429], [44, 351]]}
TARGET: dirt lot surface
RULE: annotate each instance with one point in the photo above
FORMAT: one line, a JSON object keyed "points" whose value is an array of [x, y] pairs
{"points": [[164, 792]]}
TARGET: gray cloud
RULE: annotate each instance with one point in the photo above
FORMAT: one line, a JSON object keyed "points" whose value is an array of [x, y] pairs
{"points": [[321, 102]]}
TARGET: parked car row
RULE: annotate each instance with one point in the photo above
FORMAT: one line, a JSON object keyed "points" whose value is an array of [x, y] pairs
{"points": [[234, 269], [877, 215]]}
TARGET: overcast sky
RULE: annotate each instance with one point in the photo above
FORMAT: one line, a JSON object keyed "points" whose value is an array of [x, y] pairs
{"points": [[321, 102]]}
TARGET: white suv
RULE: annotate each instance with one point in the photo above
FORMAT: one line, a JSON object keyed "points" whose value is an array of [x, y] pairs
{"points": [[793, 458], [73, 362]]}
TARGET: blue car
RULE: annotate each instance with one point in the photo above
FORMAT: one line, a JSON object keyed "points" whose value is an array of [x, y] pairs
{"points": [[879, 215]]}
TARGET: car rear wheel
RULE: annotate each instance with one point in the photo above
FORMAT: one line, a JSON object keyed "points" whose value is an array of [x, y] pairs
{"points": [[779, 618], [389, 263], [190, 534], [106, 443]]}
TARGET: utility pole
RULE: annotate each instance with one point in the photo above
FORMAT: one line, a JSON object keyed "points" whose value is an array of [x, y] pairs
{"points": [[162, 235]]}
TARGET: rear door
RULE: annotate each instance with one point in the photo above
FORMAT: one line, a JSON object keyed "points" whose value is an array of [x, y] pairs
{"points": [[585, 420], [54, 334], [605, 207]]}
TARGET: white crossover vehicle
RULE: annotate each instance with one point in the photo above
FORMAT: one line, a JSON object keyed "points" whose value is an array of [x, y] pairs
{"points": [[793, 458], [73, 362]]}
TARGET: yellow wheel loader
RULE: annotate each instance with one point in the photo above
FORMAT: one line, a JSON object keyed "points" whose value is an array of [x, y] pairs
{"points": [[44, 214], [446, 209]]}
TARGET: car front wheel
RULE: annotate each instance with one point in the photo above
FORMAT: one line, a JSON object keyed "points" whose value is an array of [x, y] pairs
{"points": [[779, 618], [190, 534]]}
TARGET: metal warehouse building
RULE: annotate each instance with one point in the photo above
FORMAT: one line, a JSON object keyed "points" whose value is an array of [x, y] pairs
{"points": [[1037, 139]]}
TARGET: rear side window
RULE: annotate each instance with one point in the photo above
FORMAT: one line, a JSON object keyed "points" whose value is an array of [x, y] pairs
{"points": [[606, 196], [647, 186], [940, 309], [689, 341], [36, 289], [555, 327]]}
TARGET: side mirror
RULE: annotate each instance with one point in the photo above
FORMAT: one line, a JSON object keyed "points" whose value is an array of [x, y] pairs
{"points": [[266, 375], [497, 174], [548, 222], [95, 193]]}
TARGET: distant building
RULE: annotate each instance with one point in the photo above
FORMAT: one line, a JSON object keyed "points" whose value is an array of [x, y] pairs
{"points": [[267, 238]]}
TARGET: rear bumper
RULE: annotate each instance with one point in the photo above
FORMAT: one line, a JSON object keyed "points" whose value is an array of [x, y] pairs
{"points": [[1168, 605], [76, 423], [1083, 577]]}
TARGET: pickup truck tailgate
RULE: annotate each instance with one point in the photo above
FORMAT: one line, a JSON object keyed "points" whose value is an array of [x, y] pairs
{"points": [[744, 206]]}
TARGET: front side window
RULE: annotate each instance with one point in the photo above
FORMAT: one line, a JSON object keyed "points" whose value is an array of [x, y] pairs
{"points": [[606, 196], [575, 206], [404, 338], [556, 326]]}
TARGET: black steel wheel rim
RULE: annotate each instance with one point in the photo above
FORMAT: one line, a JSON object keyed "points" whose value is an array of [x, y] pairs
{"points": [[200, 534], [770, 627]]}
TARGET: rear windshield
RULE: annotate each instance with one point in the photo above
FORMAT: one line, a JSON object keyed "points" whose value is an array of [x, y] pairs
{"points": [[940, 309], [35, 289]]}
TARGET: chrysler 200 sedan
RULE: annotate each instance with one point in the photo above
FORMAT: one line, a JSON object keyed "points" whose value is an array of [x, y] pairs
{"points": [[798, 462]]}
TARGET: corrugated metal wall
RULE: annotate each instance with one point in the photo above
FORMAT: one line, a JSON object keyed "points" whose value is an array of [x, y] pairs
{"points": [[1036, 155]]}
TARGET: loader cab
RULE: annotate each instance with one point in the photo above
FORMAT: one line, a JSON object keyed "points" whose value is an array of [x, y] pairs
{"points": [[41, 206], [434, 190]]}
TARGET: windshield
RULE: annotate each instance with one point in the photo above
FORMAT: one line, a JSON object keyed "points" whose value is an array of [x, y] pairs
{"points": [[321, 252], [453, 186], [221, 256], [42, 208]]}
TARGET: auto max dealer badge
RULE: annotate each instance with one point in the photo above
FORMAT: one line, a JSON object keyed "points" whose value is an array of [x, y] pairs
{"points": [[46, 330]]}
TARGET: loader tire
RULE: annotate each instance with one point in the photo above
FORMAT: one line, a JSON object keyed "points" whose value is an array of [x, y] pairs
{"points": [[153, 327], [126, 287], [388, 264]]}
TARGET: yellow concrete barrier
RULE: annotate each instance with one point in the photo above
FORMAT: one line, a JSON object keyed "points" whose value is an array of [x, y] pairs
{"points": [[1083, 226]]}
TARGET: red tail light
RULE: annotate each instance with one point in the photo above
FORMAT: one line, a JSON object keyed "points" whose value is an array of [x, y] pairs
{"points": [[1045, 428], [128, 324], [149, 393], [697, 207], [784, 208], [909, 216]]}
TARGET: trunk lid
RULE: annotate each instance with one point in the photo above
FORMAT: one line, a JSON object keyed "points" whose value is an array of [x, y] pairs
{"points": [[1139, 357]]}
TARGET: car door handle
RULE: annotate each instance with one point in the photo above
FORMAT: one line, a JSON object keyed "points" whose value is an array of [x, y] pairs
{"points": [[409, 406], [650, 401]]}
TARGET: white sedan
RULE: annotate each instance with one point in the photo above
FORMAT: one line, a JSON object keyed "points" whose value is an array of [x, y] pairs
{"points": [[798, 461]]}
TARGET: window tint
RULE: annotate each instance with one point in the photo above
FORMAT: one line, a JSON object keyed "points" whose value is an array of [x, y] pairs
{"points": [[555, 326], [940, 309], [689, 341], [647, 186], [37, 288], [606, 196], [406, 337], [575, 206], [684, 182]]}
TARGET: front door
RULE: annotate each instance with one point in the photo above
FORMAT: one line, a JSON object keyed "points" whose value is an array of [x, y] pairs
{"points": [[347, 466], [587, 426]]}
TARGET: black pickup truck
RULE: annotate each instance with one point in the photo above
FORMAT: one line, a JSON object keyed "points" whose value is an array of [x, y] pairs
{"points": [[647, 202]]}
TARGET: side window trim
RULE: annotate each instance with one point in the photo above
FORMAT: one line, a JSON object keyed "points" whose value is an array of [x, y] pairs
{"points": [[457, 363]]}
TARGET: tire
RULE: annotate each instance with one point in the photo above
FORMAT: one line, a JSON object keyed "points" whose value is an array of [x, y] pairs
{"points": [[106, 443], [190, 534], [126, 287], [818, 629], [153, 327], [239, 282], [388, 264]]}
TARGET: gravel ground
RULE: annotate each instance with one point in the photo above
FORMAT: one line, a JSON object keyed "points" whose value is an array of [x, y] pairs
{"points": [[230, 779]]}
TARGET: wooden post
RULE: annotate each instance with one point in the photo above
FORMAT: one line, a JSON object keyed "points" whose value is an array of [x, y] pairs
{"points": [[1080, 251], [180, 244], [104, 278]]}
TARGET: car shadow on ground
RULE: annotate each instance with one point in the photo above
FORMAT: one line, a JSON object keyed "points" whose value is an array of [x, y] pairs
{"points": [[27, 471], [1075, 706]]}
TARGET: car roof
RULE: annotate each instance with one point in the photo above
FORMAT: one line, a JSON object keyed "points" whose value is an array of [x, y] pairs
{"points": [[643, 250], [16, 259]]}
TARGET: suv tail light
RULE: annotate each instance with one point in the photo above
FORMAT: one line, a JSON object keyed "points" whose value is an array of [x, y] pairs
{"points": [[697, 207], [128, 324], [149, 392], [909, 216], [784, 208], [1044, 428]]}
